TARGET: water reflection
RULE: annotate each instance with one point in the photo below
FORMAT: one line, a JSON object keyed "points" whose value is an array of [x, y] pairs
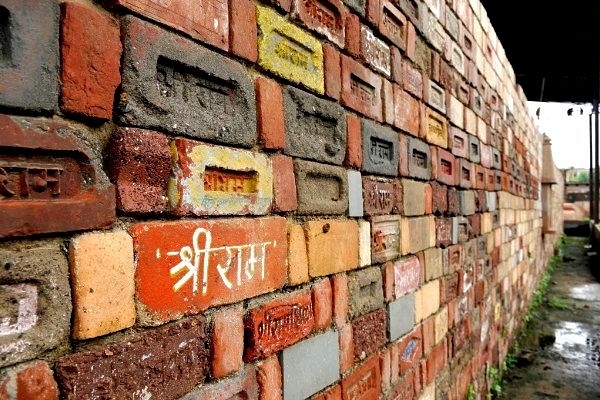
{"points": [[579, 341]]}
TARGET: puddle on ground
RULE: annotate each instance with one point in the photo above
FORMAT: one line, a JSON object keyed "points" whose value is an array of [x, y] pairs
{"points": [[579, 341], [587, 292]]}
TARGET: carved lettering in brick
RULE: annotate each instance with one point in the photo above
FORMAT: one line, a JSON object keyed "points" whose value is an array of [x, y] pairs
{"points": [[288, 51], [380, 195], [380, 149], [364, 383], [369, 332], [393, 24], [407, 276], [385, 240], [412, 80], [185, 267], [419, 165], [175, 85], [216, 180], [437, 132], [437, 96], [365, 290], [48, 181], [374, 51], [446, 167], [458, 142], [324, 16], [458, 58], [322, 189], [455, 257], [277, 324], [361, 89]]}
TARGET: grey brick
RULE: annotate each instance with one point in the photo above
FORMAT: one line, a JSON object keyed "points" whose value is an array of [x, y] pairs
{"points": [[365, 290], [474, 149], [496, 159], [491, 201], [355, 195], [358, 6], [380, 149], [310, 365], [401, 316], [419, 159], [315, 129], [322, 189], [467, 202]]}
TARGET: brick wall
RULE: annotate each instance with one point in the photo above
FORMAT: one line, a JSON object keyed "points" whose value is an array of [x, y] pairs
{"points": [[262, 199]]}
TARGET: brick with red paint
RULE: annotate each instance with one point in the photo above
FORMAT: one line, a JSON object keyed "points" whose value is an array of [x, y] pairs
{"points": [[243, 29], [365, 381], [269, 114], [368, 101], [90, 59]]}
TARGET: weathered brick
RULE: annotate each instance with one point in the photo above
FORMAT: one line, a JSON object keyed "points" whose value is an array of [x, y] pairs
{"points": [[412, 80], [369, 332], [365, 289], [297, 256], [333, 393], [458, 142], [217, 180], [243, 30], [446, 170], [288, 51], [453, 202], [436, 129], [361, 89], [332, 246], [277, 324], [333, 71], [443, 232], [227, 345], [419, 159], [90, 60], [67, 192], [474, 149], [496, 159], [165, 362], [241, 385], [436, 361], [185, 267], [486, 155], [29, 70], [381, 195], [300, 378], [375, 52], [365, 381], [387, 94], [467, 202], [401, 316], [364, 243], [102, 303], [353, 34], [448, 288], [326, 18], [139, 190], [439, 198], [386, 236], [33, 381], [465, 174], [359, 6], [380, 149], [167, 79], [461, 229], [322, 189], [269, 114], [413, 193], [355, 194], [393, 24], [315, 128], [407, 110], [407, 275], [441, 324], [479, 178], [405, 388], [270, 381], [455, 257], [36, 300], [435, 96], [403, 154], [434, 267], [410, 350], [418, 233], [427, 300], [456, 112]]}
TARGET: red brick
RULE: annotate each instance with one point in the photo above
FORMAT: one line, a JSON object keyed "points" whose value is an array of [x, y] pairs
{"points": [[436, 361], [412, 80], [243, 29], [284, 183], [242, 385], [403, 156], [269, 379], [396, 67], [428, 328], [388, 281], [410, 350], [333, 71], [168, 253], [207, 20], [346, 348], [411, 42], [453, 202], [479, 177], [322, 297], [369, 332], [69, 193], [373, 11], [466, 174], [439, 198], [408, 112], [446, 170], [30, 382], [405, 389], [381, 195], [167, 362], [458, 142], [297, 257], [227, 342], [311, 13], [353, 35], [333, 393], [340, 299], [443, 232], [385, 367], [387, 95], [269, 114], [455, 257], [408, 275], [354, 142], [90, 59], [361, 89], [393, 24], [428, 199], [364, 383], [139, 189], [475, 223], [277, 324]]}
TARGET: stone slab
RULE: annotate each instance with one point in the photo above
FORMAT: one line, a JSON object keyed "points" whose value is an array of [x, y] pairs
{"points": [[322, 189], [380, 149], [401, 316]]}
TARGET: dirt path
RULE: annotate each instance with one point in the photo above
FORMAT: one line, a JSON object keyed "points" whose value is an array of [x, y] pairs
{"points": [[561, 351]]}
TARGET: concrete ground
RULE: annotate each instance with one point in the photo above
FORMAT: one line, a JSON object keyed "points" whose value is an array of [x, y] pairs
{"points": [[560, 352]]}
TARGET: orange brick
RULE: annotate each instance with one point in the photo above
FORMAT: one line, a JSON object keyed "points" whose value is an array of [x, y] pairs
{"points": [[269, 110], [332, 246], [284, 183], [102, 302], [29, 382], [243, 29], [269, 379], [333, 393], [297, 256], [227, 342], [322, 297], [333, 71], [354, 142]]}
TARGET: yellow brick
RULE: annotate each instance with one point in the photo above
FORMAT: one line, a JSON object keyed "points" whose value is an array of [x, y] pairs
{"points": [[289, 51], [436, 129], [427, 300], [297, 256], [364, 239], [102, 275], [441, 324], [332, 246], [417, 234], [486, 223]]}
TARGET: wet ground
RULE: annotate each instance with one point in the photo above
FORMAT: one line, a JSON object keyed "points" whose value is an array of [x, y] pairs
{"points": [[560, 350]]}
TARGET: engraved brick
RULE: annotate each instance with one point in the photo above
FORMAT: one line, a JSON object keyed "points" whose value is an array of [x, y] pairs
{"points": [[29, 55], [381, 195], [369, 332], [243, 384], [410, 350], [455, 257], [375, 52], [185, 267], [207, 20], [36, 300], [90, 60], [414, 193], [461, 229], [459, 142], [490, 180], [365, 381], [332, 246], [216, 180], [466, 174], [496, 159], [175, 85], [300, 377], [289, 51], [480, 174], [392, 24], [380, 149], [452, 24], [418, 233], [412, 80], [361, 89], [446, 168], [284, 183], [138, 189], [385, 238], [407, 275], [407, 110], [168, 362], [322, 189], [436, 96], [443, 232], [277, 324], [326, 17], [314, 128], [49, 180], [102, 303], [436, 129], [439, 198], [269, 110], [474, 149], [419, 159], [365, 289]]}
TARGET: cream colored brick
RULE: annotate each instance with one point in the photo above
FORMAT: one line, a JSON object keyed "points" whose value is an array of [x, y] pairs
{"points": [[413, 193], [470, 121], [456, 112], [428, 393], [486, 223], [364, 241], [418, 233], [441, 324], [102, 279], [427, 300], [434, 266]]}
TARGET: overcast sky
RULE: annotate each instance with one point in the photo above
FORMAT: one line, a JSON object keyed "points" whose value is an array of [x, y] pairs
{"points": [[569, 134]]}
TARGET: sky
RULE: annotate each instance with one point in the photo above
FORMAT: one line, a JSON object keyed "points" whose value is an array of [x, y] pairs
{"points": [[569, 134]]}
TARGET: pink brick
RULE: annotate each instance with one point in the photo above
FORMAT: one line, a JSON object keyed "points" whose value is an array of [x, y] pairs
{"points": [[227, 342]]}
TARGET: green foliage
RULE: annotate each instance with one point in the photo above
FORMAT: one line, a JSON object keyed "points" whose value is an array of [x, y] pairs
{"points": [[558, 303], [471, 393], [496, 383], [581, 177]]}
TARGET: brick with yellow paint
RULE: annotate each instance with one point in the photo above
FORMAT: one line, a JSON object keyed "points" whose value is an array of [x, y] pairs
{"points": [[436, 129], [289, 51]]}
